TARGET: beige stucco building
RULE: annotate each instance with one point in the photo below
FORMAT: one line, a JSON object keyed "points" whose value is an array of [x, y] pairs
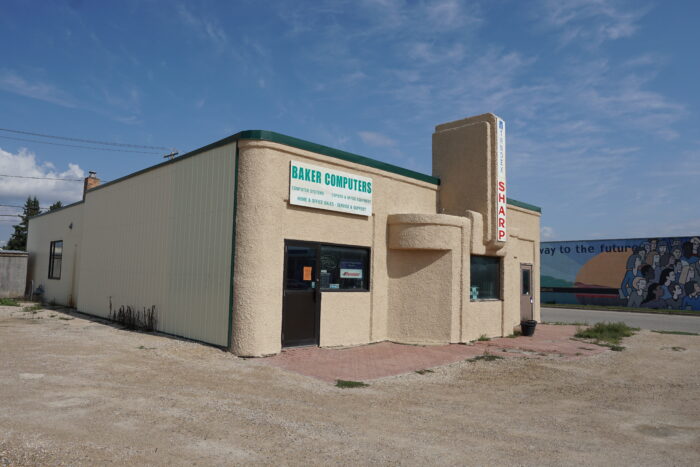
{"points": [[261, 240]]}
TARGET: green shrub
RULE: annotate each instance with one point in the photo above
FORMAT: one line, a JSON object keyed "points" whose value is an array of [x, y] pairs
{"points": [[8, 302]]}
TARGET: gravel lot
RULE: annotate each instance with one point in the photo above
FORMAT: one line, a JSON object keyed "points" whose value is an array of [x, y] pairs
{"points": [[75, 391]]}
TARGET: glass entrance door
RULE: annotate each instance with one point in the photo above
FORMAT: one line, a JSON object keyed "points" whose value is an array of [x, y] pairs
{"points": [[300, 313]]}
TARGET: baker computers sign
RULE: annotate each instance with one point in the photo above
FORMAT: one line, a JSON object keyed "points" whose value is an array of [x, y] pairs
{"points": [[322, 188]]}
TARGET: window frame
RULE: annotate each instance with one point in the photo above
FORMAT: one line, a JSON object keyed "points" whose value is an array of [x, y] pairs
{"points": [[53, 256], [368, 267], [499, 278]]}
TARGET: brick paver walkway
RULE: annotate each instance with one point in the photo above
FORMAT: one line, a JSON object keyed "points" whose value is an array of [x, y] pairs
{"points": [[383, 359]]}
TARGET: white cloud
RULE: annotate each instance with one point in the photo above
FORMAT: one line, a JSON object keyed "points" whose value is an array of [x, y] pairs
{"points": [[10, 81], [379, 140], [590, 22], [451, 14], [432, 54], [206, 28], [546, 232], [25, 163]]}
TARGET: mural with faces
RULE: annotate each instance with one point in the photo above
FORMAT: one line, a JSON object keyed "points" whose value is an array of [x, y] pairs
{"points": [[658, 273]]}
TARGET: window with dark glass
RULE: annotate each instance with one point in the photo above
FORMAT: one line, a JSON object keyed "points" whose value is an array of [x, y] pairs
{"points": [[526, 282], [344, 268], [55, 258], [485, 278]]}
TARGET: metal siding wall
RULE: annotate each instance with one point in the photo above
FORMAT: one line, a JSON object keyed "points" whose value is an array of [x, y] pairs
{"points": [[42, 231], [163, 238]]}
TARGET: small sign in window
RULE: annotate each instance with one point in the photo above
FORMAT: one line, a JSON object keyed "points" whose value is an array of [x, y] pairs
{"points": [[350, 270]]}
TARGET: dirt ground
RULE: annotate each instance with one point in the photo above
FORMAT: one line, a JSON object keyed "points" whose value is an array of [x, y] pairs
{"points": [[75, 391]]}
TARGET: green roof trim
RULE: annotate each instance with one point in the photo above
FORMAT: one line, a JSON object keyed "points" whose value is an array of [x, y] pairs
{"points": [[264, 135], [520, 204]]}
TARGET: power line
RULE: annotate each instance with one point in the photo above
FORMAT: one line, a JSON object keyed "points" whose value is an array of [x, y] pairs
{"points": [[76, 146], [44, 178], [65, 138]]}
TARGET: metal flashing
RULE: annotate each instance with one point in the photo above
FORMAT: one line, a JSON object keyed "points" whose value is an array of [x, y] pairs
{"points": [[520, 204], [264, 135], [59, 209], [271, 136]]}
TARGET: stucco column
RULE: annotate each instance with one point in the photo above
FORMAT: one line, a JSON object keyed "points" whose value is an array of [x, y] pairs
{"points": [[257, 301]]}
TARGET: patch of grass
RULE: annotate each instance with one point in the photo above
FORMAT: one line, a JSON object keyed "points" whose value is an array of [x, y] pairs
{"points": [[8, 302], [422, 372], [515, 334], [33, 308], [680, 333], [145, 348], [487, 357], [607, 332], [483, 338], [562, 323], [344, 384], [65, 318]]}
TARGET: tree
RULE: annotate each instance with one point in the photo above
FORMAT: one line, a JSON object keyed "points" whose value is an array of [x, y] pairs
{"points": [[18, 240], [56, 205]]}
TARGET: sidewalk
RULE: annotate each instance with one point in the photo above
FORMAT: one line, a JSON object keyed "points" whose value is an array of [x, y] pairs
{"points": [[384, 359]]}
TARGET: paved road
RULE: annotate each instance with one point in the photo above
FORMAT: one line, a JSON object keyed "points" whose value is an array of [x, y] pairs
{"points": [[638, 320]]}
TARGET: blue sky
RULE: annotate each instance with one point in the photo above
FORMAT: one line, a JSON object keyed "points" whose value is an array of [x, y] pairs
{"points": [[601, 97]]}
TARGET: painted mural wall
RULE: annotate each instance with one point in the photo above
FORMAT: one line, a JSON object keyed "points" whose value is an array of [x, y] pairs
{"points": [[659, 273]]}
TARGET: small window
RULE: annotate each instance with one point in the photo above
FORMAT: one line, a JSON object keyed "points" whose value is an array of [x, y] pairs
{"points": [[526, 282], [55, 258], [485, 278], [344, 268]]}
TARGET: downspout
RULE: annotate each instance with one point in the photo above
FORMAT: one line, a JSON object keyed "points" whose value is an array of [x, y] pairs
{"points": [[233, 251]]}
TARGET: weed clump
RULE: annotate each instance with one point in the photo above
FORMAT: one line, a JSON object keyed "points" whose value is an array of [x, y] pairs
{"points": [[611, 333], [8, 302], [422, 372], [487, 357], [483, 338], [132, 318], [343, 384]]}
